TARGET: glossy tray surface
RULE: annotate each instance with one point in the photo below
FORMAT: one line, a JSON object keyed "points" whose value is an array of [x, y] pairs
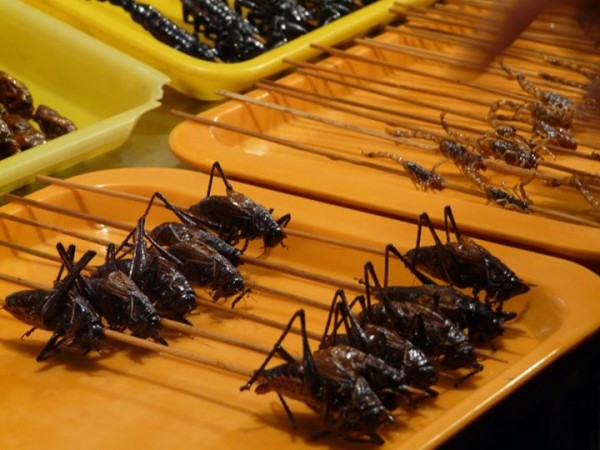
{"points": [[199, 78], [103, 95], [118, 398], [368, 90]]}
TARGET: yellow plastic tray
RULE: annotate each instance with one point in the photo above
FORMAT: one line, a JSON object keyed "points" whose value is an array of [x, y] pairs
{"points": [[101, 90], [133, 398], [271, 164], [199, 78]]}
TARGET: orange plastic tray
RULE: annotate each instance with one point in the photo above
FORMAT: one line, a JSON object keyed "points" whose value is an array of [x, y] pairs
{"points": [[281, 167], [133, 398]]}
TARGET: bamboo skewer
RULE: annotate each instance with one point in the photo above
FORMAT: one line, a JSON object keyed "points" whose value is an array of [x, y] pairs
{"points": [[167, 323], [245, 259], [333, 102], [152, 346], [236, 129], [429, 105], [142, 343], [373, 133], [144, 199]]}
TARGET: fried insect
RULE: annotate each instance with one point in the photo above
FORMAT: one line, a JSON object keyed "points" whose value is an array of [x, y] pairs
{"points": [[345, 404], [118, 300], [156, 275], [464, 263], [421, 177], [166, 31], [326, 11], [437, 336], [235, 38], [70, 317], [204, 266], [235, 216], [378, 341], [169, 233], [480, 321], [551, 116], [279, 20]]}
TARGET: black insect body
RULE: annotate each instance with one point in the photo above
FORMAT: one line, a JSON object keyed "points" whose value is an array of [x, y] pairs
{"points": [[384, 343], [437, 336], [70, 317], [157, 276], [326, 11], [169, 233], [119, 301], [166, 31], [279, 20], [481, 322], [421, 177], [204, 266], [235, 39], [464, 263], [346, 363], [501, 143], [345, 403], [235, 217]]}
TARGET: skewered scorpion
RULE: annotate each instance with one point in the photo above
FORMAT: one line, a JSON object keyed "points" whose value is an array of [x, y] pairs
{"points": [[464, 263], [501, 143], [70, 317], [551, 116]]}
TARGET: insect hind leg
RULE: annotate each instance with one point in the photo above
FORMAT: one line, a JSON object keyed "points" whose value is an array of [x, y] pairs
{"points": [[216, 167]]}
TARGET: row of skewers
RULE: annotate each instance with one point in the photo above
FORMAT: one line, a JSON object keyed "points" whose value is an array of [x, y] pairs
{"points": [[24, 125], [390, 354], [533, 143], [224, 33]]}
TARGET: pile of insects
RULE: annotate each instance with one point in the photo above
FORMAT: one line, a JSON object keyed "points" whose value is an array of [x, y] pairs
{"points": [[391, 352], [550, 116], [223, 33], [382, 351], [22, 124], [151, 275]]}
